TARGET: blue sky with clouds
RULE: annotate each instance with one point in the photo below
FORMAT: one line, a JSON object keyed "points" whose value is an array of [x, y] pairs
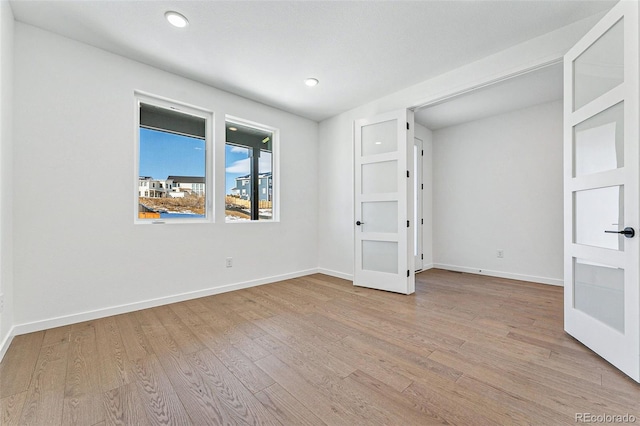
{"points": [[164, 154], [238, 163]]}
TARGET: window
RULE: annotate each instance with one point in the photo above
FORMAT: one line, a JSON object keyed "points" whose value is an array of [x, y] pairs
{"points": [[249, 165], [173, 141]]}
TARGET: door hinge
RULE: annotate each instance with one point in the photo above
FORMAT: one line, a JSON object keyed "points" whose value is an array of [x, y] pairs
{"points": [[408, 273], [422, 256], [407, 125], [422, 186], [407, 173], [407, 224], [421, 221], [422, 153]]}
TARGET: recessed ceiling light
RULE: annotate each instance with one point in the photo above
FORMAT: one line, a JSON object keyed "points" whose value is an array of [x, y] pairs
{"points": [[378, 143], [311, 82], [233, 129], [176, 19]]}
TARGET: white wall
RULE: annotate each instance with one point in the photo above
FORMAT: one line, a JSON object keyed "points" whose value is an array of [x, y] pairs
{"points": [[80, 256], [335, 235], [498, 186], [426, 136], [6, 136], [336, 207]]}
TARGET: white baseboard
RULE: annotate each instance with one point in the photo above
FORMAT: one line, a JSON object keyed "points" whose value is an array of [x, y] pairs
{"points": [[426, 267], [151, 303], [500, 274], [7, 342], [332, 273]]}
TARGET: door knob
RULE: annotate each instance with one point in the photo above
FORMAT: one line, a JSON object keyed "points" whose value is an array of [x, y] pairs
{"points": [[359, 223], [627, 232]]}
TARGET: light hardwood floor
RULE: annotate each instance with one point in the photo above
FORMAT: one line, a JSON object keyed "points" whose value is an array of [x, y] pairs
{"points": [[465, 349]]}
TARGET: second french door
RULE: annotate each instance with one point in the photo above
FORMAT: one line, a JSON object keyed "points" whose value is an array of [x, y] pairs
{"points": [[384, 216]]}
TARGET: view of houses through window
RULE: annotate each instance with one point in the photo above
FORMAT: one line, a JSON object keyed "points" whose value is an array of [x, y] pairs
{"points": [[249, 176], [172, 181], [172, 164]]}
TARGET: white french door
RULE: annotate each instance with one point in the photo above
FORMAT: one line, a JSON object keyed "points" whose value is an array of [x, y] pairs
{"points": [[601, 194], [384, 222]]}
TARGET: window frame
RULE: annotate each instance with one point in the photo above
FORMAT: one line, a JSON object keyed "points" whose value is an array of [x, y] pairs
{"points": [[275, 166], [173, 105]]}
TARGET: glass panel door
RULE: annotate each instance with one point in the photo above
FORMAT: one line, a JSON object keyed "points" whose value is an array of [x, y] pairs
{"points": [[602, 255], [383, 223]]}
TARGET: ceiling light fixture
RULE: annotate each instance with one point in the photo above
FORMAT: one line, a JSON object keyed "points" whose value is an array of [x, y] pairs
{"points": [[233, 129], [176, 19], [311, 82]]}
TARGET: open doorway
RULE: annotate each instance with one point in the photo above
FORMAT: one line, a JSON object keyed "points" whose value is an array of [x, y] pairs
{"points": [[492, 178]]}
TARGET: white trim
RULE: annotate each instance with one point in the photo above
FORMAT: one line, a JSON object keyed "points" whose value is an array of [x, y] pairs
{"points": [[332, 273], [487, 83], [7, 342], [151, 303], [500, 274]]}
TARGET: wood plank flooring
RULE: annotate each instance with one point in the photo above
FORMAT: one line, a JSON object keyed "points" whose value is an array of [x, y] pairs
{"points": [[465, 349]]}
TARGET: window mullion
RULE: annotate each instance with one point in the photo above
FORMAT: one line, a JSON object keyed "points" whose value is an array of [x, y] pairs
{"points": [[255, 188]]}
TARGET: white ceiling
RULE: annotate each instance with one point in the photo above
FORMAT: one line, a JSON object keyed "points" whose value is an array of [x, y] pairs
{"points": [[263, 50], [536, 87]]}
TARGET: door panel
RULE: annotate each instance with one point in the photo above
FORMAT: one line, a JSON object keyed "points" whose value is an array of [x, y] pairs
{"points": [[380, 216], [380, 177], [383, 222], [380, 256], [379, 138], [600, 67], [602, 295], [596, 210], [599, 142], [599, 292]]}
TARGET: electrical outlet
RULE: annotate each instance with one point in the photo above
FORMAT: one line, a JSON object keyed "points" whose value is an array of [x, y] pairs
{"points": [[500, 254], [229, 262]]}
